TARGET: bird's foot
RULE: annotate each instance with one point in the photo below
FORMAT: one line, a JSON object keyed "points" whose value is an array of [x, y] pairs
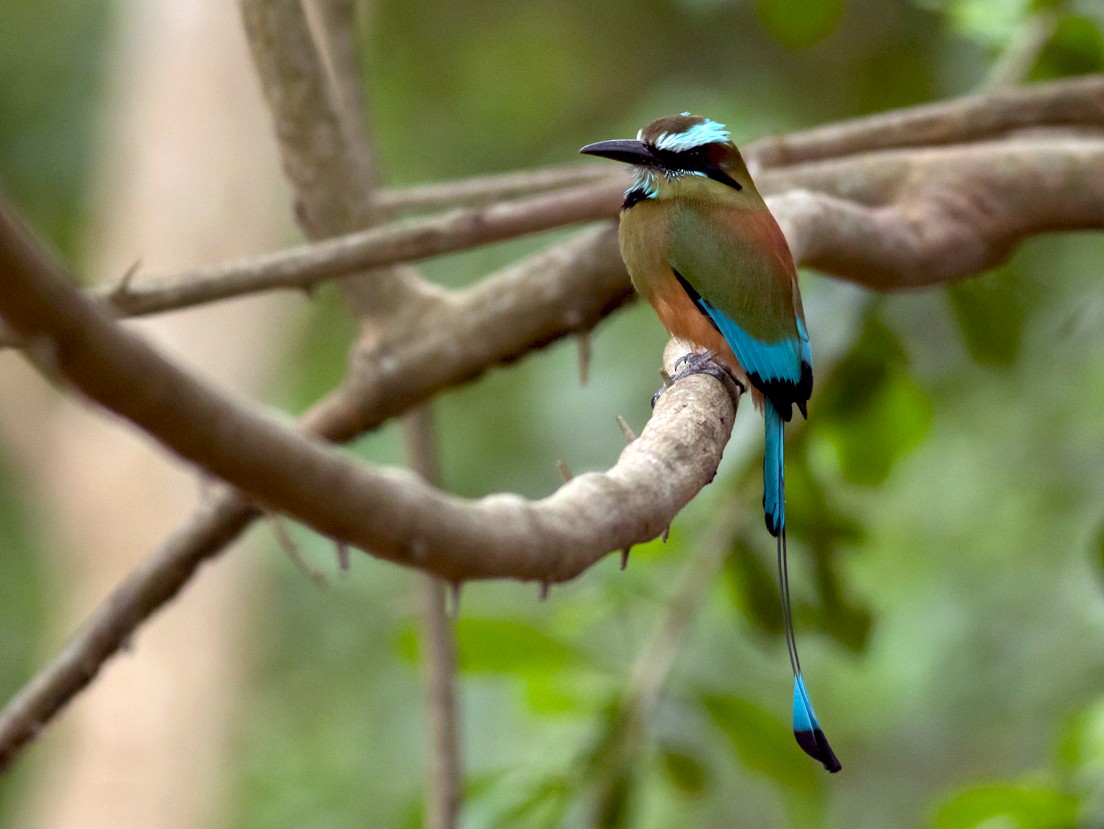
{"points": [[703, 362]]}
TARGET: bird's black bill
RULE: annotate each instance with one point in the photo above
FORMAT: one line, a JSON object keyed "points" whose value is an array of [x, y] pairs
{"points": [[628, 150]]}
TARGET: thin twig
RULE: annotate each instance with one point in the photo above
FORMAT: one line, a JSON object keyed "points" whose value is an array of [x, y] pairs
{"points": [[653, 666], [368, 249], [1078, 102], [445, 773], [493, 188], [123, 286], [583, 341], [151, 585], [1023, 50]]}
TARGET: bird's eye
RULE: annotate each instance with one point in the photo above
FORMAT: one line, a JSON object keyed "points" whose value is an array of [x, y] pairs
{"points": [[693, 159]]}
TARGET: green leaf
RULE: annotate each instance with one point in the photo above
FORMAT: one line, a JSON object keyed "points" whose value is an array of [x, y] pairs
{"points": [[1081, 742], [800, 24], [990, 315], [762, 742], [992, 22], [1014, 806], [894, 421], [507, 646], [687, 773], [1100, 552], [754, 586], [872, 411], [542, 805], [1077, 48]]}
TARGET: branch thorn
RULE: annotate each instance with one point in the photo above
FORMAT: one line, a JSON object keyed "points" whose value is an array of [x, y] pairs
{"points": [[452, 600], [626, 429], [122, 290], [294, 552], [584, 357]]}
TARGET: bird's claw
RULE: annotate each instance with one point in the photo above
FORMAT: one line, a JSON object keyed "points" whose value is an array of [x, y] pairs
{"points": [[703, 362]]}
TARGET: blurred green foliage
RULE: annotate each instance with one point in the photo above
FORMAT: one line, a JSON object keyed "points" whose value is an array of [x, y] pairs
{"points": [[50, 71], [944, 496]]}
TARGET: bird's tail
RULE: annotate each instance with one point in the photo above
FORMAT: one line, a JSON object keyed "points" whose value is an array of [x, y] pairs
{"points": [[774, 475], [806, 727]]}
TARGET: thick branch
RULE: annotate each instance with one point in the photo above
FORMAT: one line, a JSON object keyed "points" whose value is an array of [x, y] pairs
{"points": [[506, 320], [394, 515], [578, 280], [327, 159], [870, 178], [953, 211], [1050, 168], [876, 178], [317, 156]]}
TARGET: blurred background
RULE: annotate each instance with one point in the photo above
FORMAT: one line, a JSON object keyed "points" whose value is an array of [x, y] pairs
{"points": [[946, 496]]}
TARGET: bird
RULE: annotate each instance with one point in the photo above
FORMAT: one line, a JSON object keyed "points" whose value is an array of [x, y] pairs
{"points": [[702, 247]]}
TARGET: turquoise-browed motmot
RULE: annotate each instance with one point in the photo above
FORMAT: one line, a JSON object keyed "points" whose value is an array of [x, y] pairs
{"points": [[704, 250]]}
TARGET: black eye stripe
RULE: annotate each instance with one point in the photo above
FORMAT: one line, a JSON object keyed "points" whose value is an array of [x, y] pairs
{"points": [[693, 161]]}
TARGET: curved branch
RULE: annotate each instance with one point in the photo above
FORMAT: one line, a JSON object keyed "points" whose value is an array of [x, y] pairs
{"points": [[562, 290], [148, 587], [563, 278], [393, 514], [1067, 103], [953, 211]]}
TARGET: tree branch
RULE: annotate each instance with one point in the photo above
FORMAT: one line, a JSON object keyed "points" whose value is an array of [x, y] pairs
{"points": [[150, 586], [341, 256], [617, 750], [1078, 102], [445, 777], [392, 514], [532, 303], [562, 290], [494, 188], [952, 211]]}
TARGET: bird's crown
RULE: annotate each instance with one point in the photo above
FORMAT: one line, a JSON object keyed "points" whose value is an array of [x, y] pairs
{"points": [[681, 133]]}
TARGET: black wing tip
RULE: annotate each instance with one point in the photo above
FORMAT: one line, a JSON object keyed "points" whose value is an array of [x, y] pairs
{"points": [[815, 744], [785, 394]]}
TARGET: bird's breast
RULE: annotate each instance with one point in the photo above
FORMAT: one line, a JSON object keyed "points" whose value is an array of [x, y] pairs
{"points": [[644, 236]]}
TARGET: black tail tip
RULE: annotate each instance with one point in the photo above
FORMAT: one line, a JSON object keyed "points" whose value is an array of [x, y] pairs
{"points": [[773, 521], [815, 744]]}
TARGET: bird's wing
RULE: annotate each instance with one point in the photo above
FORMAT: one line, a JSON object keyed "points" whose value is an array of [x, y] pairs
{"points": [[736, 267]]}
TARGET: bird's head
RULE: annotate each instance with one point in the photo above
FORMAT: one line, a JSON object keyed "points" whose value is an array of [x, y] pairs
{"points": [[675, 152]]}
